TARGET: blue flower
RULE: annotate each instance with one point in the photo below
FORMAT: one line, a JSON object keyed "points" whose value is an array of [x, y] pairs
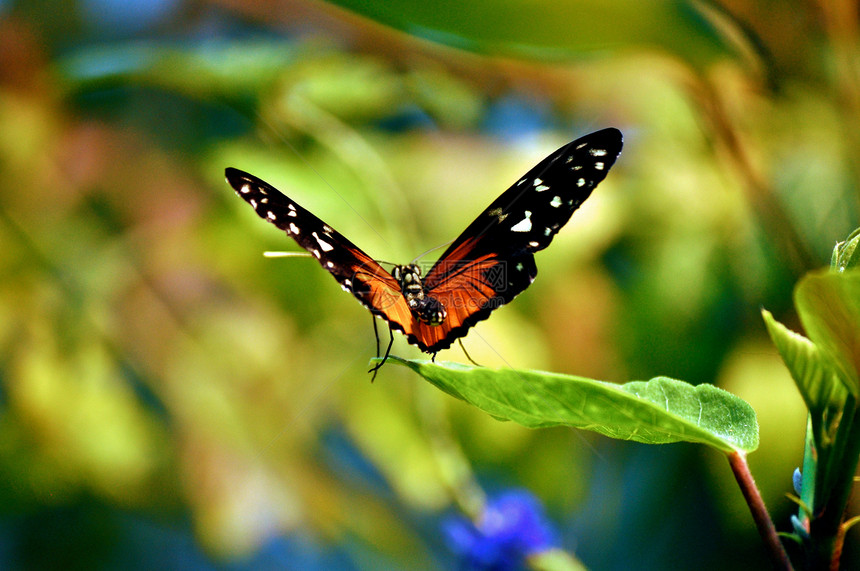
{"points": [[512, 527], [797, 480]]}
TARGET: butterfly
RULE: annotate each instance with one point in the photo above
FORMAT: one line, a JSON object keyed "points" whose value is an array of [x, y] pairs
{"points": [[488, 265]]}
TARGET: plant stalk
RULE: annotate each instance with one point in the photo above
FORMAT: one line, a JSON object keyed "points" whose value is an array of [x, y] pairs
{"points": [[825, 528], [741, 470]]}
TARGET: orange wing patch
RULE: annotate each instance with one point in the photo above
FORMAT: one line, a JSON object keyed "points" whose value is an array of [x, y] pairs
{"points": [[467, 297]]}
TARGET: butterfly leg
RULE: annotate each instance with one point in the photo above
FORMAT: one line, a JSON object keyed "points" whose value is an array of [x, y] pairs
{"points": [[463, 347], [375, 334], [375, 369]]}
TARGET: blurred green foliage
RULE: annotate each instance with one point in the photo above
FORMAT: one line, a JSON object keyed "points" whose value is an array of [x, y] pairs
{"points": [[173, 399]]}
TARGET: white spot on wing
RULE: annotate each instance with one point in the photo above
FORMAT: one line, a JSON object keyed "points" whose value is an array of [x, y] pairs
{"points": [[580, 182], [253, 203], [323, 244], [329, 264], [599, 165], [597, 152], [555, 202], [541, 188], [245, 188], [537, 182], [534, 244], [524, 225], [271, 216], [293, 228]]}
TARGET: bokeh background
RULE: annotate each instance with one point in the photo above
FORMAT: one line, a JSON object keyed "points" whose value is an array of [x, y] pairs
{"points": [[171, 399]]}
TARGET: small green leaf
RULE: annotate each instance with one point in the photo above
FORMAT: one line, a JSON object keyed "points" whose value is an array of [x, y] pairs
{"points": [[658, 411], [814, 379], [829, 307], [845, 254]]}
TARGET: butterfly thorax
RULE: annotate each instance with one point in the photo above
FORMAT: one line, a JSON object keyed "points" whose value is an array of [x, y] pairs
{"points": [[426, 308]]}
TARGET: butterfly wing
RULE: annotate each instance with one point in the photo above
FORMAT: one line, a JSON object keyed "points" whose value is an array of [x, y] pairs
{"points": [[356, 272], [492, 261], [484, 268]]}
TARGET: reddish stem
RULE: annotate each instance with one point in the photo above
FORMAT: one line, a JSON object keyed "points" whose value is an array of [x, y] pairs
{"points": [[741, 470]]}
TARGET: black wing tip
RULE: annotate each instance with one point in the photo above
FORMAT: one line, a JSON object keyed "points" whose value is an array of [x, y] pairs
{"points": [[239, 178], [610, 137], [235, 175]]}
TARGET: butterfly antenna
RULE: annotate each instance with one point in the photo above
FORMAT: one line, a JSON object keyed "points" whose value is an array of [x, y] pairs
{"points": [[421, 255], [463, 347], [286, 254]]}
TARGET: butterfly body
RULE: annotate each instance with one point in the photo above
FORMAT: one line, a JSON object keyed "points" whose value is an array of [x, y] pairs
{"points": [[426, 308], [489, 264]]}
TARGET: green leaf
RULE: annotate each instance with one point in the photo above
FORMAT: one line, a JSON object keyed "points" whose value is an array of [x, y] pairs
{"points": [[829, 307], [823, 394], [845, 254], [546, 29], [814, 379], [658, 411]]}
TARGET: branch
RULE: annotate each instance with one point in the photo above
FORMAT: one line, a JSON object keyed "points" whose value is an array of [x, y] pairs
{"points": [[741, 470]]}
